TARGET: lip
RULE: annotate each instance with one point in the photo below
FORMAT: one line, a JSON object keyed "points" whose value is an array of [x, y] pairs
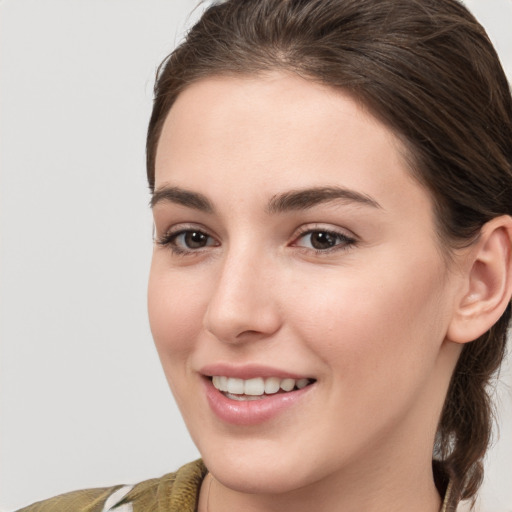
{"points": [[252, 412], [249, 371]]}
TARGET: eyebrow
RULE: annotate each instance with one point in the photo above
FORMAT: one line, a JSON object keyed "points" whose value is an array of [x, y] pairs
{"points": [[183, 197], [307, 198], [288, 201]]}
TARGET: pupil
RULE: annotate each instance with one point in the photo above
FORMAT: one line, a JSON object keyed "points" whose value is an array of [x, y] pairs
{"points": [[195, 239], [322, 240]]}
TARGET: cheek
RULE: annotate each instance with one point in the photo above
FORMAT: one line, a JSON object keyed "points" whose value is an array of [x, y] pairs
{"points": [[175, 307], [378, 340], [376, 327]]}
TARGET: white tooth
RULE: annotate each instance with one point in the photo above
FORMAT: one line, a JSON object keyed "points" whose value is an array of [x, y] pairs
{"points": [[254, 386], [235, 386], [223, 383], [244, 398], [216, 382], [272, 385], [287, 384], [302, 383]]}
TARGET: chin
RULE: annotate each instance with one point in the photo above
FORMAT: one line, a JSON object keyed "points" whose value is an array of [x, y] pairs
{"points": [[259, 471], [252, 479]]}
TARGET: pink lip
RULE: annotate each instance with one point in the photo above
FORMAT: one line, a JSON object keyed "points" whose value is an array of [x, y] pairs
{"points": [[251, 412], [249, 371]]}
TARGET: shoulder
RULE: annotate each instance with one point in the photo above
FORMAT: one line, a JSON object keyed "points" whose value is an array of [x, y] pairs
{"points": [[85, 500], [177, 491]]}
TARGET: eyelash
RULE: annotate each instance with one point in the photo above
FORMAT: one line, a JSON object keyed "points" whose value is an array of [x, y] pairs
{"points": [[168, 240], [345, 241]]}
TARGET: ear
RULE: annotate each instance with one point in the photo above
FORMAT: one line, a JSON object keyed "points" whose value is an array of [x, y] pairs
{"points": [[487, 282]]}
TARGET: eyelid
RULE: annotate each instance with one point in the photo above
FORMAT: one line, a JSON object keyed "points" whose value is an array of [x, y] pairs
{"points": [[308, 228], [183, 226]]}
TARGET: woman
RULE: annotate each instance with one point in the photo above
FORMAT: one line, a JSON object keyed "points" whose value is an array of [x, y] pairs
{"points": [[330, 288]]}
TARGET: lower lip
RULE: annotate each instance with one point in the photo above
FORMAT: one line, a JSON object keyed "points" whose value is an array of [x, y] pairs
{"points": [[251, 412]]}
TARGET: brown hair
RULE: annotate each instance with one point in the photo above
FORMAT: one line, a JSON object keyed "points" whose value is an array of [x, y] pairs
{"points": [[428, 70]]}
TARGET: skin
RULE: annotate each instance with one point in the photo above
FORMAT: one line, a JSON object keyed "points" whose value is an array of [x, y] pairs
{"points": [[368, 320]]}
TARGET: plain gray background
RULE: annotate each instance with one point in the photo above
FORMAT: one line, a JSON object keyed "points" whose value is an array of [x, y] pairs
{"points": [[83, 399]]}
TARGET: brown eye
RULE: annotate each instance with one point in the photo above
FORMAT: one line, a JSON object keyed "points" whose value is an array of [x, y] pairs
{"points": [[188, 240], [194, 239], [320, 240]]}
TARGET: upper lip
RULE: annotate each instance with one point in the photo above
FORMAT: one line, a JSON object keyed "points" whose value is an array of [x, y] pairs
{"points": [[248, 371]]}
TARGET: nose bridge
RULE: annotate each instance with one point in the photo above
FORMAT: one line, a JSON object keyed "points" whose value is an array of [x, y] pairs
{"points": [[242, 303]]}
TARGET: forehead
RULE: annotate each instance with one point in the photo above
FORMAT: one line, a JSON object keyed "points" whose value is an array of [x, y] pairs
{"points": [[277, 131]]}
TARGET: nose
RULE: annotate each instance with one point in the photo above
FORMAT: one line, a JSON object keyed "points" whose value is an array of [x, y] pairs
{"points": [[243, 306]]}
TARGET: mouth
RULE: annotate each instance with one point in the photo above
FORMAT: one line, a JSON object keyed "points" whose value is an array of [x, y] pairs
{"points": [[253, 394], [257, 388]]}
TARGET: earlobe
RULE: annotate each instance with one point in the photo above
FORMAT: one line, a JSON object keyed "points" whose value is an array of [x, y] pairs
{"points": [[488, 282]]}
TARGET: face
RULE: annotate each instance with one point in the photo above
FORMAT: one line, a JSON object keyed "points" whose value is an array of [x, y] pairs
{"points": [[295, 252]]}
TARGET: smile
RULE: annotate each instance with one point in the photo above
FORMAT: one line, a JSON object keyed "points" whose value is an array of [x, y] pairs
{"points": [[256, 388], [255, 400]]}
